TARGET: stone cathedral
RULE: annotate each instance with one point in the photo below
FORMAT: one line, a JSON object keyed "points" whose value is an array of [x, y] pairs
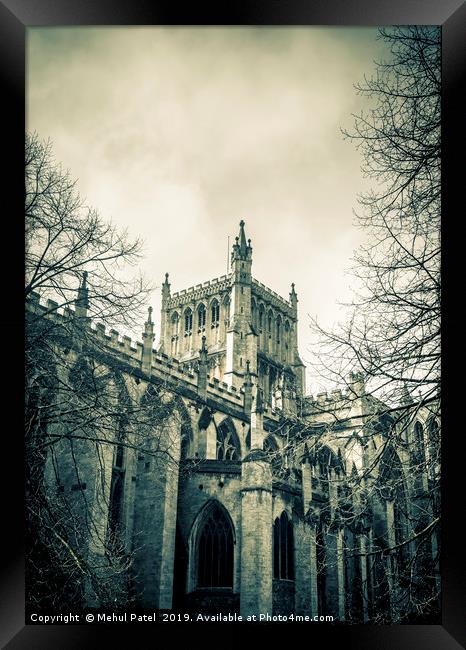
{"points": [[259, 500]]}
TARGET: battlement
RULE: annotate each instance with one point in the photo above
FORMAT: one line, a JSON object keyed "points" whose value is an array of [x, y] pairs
{"points": [[131, 350], [262, 291], [336, 398], [199, 291]]}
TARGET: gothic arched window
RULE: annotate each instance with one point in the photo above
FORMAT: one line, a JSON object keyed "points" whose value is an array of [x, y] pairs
{"points": [[321, 569], [261, 316], [175, 322], [279, 330], [115, 510], [201, 316], [215, 313], [434, 444], [228, 447], [391, 486], [419, 451], [215, 551], [188, 321], [283, 548], [324, 460], [271, 449], [286, 353], [269, 322], [253, 313]]}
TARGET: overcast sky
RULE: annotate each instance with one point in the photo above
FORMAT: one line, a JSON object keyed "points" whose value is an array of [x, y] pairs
{"points": [[178, 133]]}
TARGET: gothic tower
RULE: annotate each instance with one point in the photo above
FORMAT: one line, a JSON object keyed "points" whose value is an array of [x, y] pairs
{"points": [[239, 329]]}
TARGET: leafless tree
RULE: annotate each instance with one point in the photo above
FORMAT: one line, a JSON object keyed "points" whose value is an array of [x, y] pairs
{"points": [[392, 336], [83, 424]]}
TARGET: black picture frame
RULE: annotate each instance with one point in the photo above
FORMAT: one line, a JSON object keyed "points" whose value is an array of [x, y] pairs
{"points": [[15, 17]]}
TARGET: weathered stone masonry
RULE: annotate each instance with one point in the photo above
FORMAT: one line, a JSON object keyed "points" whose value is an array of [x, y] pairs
{"points": [[217, 524]]}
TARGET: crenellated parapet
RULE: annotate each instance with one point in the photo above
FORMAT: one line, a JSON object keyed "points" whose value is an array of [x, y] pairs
{"points": [[130, 352], [272, 299], [199, 292]]}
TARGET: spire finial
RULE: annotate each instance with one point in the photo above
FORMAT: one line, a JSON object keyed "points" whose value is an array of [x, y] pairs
{"points": [[165, 288], [149, 317], [242, 238], [293, 296], [405, 395], [82, 300], [203, 350]]}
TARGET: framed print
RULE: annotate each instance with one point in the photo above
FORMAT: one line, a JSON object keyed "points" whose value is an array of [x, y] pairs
{"points": [[235, 233]]}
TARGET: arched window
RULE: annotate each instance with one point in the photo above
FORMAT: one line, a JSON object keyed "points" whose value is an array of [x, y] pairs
{"points": [[215, 551], [201, 316], [186, 431], [325, 461], [391, 486], [283, 548], [271, 449], [321, 569], [253, 313], [286, 353], [434, 440], [115, 510], [175, 323], [261, 316], [228, 447], [279, 330], [418, 451], [188, 321], [215, 313], [269, 322]]}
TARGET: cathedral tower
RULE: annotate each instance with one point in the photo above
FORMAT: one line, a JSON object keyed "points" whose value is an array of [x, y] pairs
{"points": [[238, 348]]}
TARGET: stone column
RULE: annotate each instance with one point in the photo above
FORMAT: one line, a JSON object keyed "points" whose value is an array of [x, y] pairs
{"points": [[391, 558], [202, 370], [155, 520], [341, 573], [335, 571], [256, 535], [148, 337], [303, 567], [362, 549]]}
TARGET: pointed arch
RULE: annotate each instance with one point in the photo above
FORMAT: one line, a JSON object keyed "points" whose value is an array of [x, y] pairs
{"points": [[201, 316], [261, 311], [273, 451], [390, 467], [321, 566], [433, 437], [392, 489], [228, 444], [278, 325], [186, 429], [212, 540], [418, 452], [215, 313], [270, 320], [283, 548], [188, 321], [175, 320], [326, 458]]}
